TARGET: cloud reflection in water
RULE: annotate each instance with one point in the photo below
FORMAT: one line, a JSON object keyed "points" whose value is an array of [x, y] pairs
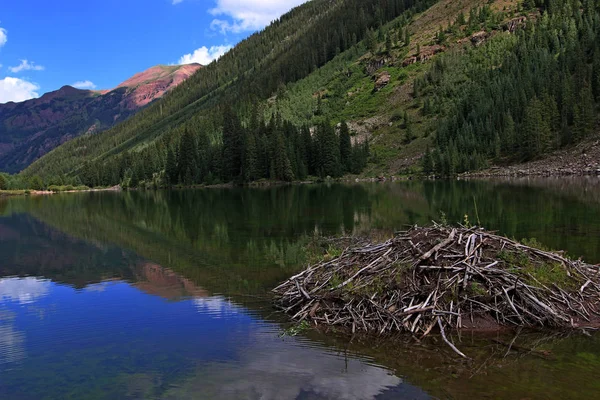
{"points": [[23, 290]]}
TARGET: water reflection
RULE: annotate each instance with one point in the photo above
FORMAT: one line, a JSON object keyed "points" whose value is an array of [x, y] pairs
{"points": [[164, 294], [23, 290], [217, 306], [153, 279], [289, 369], [12, 341], [134, 342]]}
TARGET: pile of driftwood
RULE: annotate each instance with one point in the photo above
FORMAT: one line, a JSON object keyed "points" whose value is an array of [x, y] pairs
{"points": [[440, 278]]}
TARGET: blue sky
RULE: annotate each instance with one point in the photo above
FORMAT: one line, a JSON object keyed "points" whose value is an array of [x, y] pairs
{"points": [[97, 44]]}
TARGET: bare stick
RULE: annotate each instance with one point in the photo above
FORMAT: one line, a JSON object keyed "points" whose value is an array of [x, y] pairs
{"points": [[449, 343]]}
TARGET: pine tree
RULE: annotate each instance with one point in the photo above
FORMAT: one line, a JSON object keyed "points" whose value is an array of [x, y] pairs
{"points": [[251, 170], [585, 114], [408, 132], [509, 134], [171, 170], [3, 182], [187, 154], [428, 166], [329, 151], [345, 148], [441, 36], [371, 41], [388, 43], [36, 183], [203, 153], [232, 145]]}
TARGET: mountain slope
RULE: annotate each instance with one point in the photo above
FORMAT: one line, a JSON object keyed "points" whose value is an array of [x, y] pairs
{"points": [[296, 45], [30, 129], [476, 81]]}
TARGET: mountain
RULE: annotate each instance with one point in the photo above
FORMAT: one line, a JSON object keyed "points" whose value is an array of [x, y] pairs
{"points": [[421, 86], [30, 129]]}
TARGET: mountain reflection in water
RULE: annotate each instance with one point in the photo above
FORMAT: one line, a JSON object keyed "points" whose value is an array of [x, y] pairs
{"points": [[165, 295]]}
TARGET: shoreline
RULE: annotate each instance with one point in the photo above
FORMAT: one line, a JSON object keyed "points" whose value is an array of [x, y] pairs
{"points": [[28, 192], [508, 172]]}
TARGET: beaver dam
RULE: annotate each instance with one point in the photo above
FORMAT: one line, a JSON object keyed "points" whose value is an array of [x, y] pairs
{"points": [[442, 278]]}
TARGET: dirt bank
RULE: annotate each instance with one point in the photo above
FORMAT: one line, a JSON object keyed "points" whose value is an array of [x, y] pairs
{"points": [[580, 160]]}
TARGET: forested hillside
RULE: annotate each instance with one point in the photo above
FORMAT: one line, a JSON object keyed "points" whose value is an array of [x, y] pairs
{"points": [[539, 95], [350, 86], [288, 50]]}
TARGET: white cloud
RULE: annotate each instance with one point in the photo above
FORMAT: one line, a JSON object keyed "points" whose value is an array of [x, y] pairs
{"points": [[3, 37], [84, 85], [26, 66], [23, 290], [249, 15], [204, 55], [15, 89], [271, 368]]}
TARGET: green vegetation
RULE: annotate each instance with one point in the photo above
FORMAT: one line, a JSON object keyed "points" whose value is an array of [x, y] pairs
{"points": [[514, 81], [3, 182], [67, 188], [537, 91], [546, 273], [256, 71], [19, 184], [296, 329]]}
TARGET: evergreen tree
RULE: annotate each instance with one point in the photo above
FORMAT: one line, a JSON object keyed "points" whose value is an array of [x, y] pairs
{"points": [[345, 148], [36, 183], [171, 170], [428, 166], [187, 161], [330, 151], [251, 162], [232, 145], [3, 182], [371, 41], [585, 114], [408, 129]]}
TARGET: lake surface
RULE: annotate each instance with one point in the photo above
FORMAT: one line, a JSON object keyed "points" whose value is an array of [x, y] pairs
{"points": [[165, 295]]}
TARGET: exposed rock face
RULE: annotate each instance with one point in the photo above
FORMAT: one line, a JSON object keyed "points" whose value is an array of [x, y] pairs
{"points": [[382, 81], [409, 61], [30, 129], [375, 65], [515, 23], [425, 54], [153, 83], [479, 38]]}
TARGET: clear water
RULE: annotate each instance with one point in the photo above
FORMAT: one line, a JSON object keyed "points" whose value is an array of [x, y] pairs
{"points": [[165, 295]]}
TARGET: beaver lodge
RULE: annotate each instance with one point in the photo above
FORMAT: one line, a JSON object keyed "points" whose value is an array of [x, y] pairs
{"points": [[441, 278]]}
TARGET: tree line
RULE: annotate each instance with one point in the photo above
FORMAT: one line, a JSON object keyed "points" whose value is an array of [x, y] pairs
{"points": [[246, 152]]}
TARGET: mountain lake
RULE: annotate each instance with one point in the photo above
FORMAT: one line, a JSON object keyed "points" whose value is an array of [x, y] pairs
{"points": [[166, 294]]}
